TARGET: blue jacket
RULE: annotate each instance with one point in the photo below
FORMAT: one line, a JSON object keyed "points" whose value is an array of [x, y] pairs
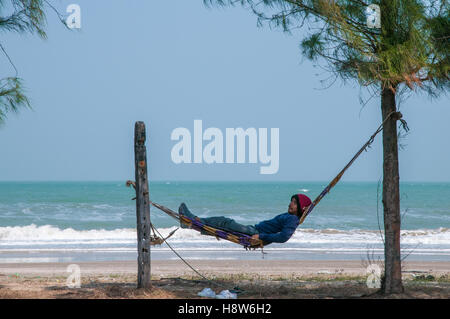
{"points": [[278, 229]]}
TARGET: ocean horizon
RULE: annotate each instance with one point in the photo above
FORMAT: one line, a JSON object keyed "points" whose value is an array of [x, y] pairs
{"points": [[82, 220]]}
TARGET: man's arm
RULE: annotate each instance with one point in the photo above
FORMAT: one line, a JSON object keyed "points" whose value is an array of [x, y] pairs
{"points": [[280, 237]]}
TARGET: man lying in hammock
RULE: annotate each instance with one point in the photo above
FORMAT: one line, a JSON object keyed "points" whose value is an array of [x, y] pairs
{"points": [[276, 230]]}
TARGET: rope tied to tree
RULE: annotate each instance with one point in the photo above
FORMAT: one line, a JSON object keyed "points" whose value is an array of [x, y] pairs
{"points": [[398, 116]]}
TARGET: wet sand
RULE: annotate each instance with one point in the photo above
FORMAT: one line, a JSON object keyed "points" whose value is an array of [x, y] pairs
{"points": [[228, 267]]}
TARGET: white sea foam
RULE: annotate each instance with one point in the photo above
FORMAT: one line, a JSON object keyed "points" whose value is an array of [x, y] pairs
{"points": [[34, 236], [35, 233]]}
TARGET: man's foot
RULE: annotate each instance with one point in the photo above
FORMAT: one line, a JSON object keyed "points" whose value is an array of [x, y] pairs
{"points": [[183, 210]]}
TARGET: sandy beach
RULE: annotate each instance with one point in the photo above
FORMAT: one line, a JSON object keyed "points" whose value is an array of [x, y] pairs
{"points": [[256, 278]]}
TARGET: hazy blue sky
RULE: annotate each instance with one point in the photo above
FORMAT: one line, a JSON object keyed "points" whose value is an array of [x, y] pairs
{"points": [[169, 63]]}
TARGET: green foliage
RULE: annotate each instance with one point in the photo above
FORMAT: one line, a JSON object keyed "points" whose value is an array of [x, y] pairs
{"points": [[410, 48], [22, 16], [18, 16], [11, 96]]}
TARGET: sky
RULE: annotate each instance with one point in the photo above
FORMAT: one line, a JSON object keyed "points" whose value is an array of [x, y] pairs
{"points": [[170, 63]]}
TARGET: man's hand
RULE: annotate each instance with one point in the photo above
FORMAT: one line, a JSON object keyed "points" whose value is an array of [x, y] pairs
{"points": [[255, 240]]}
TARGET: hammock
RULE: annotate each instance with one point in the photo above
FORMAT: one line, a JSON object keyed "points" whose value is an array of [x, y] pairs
{"points": [[246, 240], [235, 237]]}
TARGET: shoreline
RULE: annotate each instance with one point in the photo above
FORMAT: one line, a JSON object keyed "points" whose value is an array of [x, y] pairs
{"points": [[221, 267], [82, 255]]}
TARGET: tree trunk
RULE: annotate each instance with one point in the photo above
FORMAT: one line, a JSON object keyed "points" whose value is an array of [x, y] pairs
{"points": [[142, 206], [391, 197]]}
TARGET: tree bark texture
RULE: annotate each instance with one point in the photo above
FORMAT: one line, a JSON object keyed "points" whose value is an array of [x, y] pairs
{"points": [[142, 206], [391, 196]]}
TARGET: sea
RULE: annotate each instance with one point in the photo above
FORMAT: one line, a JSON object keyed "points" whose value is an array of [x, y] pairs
{"points": [[96, 221]]}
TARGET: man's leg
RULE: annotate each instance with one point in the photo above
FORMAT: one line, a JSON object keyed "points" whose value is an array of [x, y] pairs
{"points": [[229, 224], [219, 222]]}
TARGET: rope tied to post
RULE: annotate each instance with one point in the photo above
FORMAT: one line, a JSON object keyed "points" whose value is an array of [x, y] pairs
{"points": [[155, 239]]}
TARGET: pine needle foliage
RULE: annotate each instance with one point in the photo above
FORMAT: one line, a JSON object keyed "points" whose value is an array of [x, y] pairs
{"points": [[411, 47], [20, 16]]}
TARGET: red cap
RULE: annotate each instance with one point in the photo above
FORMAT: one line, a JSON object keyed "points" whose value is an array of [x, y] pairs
{"points": [[303, 200]]}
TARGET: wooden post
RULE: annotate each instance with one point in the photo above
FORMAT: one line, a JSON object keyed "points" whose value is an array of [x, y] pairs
{"points": [[142, 207]]}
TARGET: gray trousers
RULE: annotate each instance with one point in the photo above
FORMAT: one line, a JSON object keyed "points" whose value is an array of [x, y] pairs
{"points": [[221, 222]]}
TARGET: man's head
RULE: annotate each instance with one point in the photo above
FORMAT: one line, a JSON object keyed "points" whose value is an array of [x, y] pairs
{"points": [[298, 203]]}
